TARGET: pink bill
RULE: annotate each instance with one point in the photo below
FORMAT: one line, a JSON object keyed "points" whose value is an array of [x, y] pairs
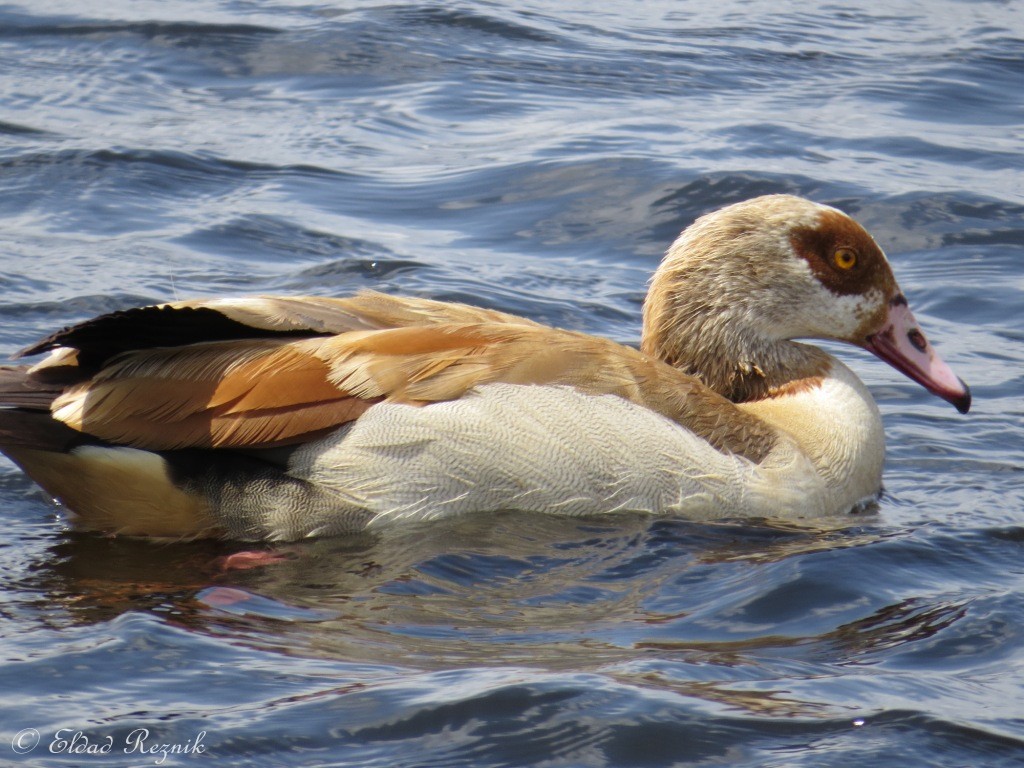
{"points": [[901, 343]]}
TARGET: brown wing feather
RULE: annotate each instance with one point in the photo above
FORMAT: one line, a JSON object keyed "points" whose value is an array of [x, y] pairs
{"points": [[273, 391], [220, 394], [366, 311], [256, 393], [86, 348]]}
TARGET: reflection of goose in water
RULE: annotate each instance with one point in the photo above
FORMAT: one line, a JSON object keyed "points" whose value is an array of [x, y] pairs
{"points": [[625, 597]]}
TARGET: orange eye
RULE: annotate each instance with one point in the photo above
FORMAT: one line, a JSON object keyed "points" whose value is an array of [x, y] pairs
{"points": [[845, 258]]}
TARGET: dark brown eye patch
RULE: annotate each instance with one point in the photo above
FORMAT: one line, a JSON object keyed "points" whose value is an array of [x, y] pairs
{"points": [[842, 255]]}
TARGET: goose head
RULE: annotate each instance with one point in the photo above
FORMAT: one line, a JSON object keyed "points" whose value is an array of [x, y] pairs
{"points": [[740, 284]]}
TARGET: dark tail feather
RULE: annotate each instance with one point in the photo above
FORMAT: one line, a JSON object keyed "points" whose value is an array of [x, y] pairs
{"points": [[19, 389], [103, 337], [38, 430], [25, 420]]}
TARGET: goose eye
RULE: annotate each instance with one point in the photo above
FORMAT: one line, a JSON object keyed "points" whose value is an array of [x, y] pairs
{"points": [[845, 258]]}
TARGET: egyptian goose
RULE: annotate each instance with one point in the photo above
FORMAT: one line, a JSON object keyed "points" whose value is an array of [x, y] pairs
{"points": [[279, 418]]}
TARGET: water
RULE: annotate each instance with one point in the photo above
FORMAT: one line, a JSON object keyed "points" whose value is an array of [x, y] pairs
{"points": [[537, 158]]}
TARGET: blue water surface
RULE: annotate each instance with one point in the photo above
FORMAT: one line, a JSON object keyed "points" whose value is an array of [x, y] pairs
{"points": [[538, 158]]}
